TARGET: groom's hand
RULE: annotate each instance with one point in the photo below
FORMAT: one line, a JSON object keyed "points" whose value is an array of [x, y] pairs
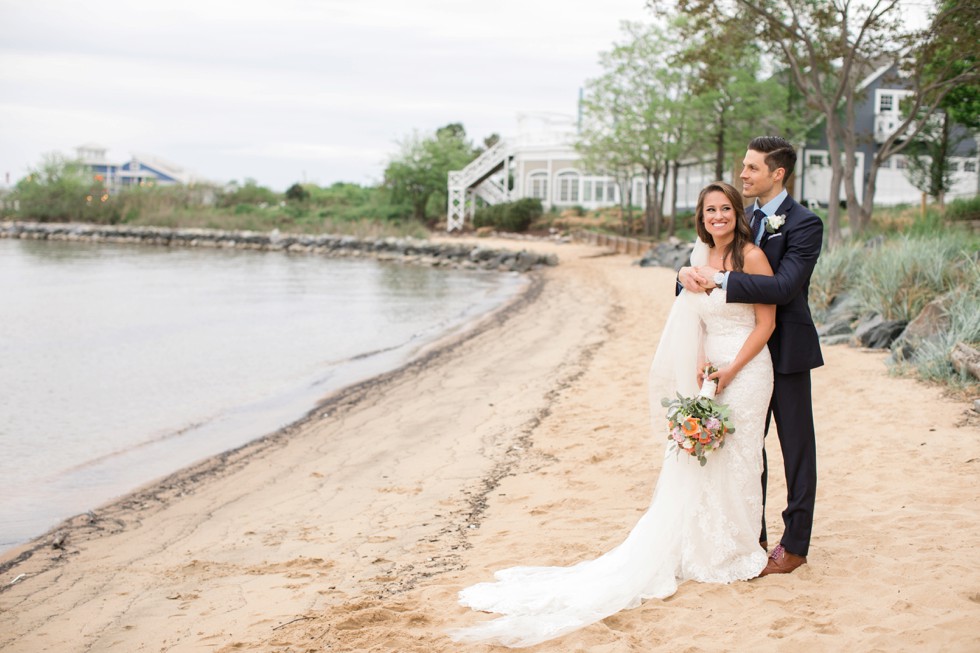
{"points": [[691, 279], [707, 273]]}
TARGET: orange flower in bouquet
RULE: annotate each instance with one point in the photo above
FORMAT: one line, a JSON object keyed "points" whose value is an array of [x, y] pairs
{"points": [[698, 425]]}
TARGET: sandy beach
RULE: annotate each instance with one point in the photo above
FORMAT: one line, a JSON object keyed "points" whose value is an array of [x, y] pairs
{"points": [[526, 440]]}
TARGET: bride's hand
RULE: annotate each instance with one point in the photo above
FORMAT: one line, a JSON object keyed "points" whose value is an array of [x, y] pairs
{"points": [[724, 376], [690, 279]]}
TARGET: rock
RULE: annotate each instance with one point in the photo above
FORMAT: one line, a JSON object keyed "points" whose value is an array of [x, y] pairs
{"points": [[881, 335], [929, 324], [525, 261], [671, 254], [965, 360], [405, 250], [59, 540], [844, 307], [842, 339], [976, 405], [835, 329], [865, 324]]}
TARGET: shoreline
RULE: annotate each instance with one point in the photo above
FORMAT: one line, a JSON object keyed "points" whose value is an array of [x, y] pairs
{"points": [[527, 443], [158, 491]]}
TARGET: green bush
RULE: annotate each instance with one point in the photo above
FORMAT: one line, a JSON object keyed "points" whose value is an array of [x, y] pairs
{"points": [[248, 193], [964, 209], [510, 216], [836, 271], [931, 359], [296, 193], [899, 278]]}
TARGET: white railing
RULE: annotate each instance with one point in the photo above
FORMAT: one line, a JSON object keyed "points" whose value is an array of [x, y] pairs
{"points": [[473, 180]]}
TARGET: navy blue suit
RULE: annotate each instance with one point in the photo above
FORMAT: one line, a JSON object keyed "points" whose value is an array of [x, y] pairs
{"points": [[795, 348]]}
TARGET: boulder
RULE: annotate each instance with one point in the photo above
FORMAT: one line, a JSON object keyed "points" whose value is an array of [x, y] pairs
{"points": [[672, 254], [883, 334], [929, 324]]}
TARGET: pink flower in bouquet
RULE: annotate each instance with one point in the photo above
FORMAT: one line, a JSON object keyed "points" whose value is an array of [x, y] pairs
{"points": [[698, 425]]}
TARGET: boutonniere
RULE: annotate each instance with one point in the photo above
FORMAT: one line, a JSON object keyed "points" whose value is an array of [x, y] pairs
{"points": [[774, 222]]}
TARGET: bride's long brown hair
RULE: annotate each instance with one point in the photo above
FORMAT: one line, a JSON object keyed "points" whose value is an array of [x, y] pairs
{"points": [[742, 235]]}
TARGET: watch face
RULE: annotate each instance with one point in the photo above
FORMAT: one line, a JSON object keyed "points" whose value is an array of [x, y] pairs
{"points": [[719, 278]]}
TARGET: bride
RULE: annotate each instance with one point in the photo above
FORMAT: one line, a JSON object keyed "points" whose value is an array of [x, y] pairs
{"points": [[703, 523]]}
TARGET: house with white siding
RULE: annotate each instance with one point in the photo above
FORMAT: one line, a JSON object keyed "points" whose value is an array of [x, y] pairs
{"points": [[541, 162], [139, 170]]}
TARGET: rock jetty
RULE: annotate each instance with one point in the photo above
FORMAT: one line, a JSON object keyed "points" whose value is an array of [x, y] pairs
{"points": [[403, 250]]}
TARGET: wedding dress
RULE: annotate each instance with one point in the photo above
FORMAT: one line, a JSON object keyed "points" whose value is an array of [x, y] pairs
{"points": [[703, 523]]}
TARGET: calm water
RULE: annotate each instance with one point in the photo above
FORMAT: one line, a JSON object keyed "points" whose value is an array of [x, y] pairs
{"points": [[120, 364]]}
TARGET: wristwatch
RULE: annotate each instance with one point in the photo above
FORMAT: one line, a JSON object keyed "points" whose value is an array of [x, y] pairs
{"points": [[719, 278]]}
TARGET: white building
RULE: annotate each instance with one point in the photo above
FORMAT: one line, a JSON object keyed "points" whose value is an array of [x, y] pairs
{"points": [[541, 162]]}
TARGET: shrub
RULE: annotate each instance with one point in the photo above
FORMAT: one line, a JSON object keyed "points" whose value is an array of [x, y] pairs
{"points": [[510, 216], [964, 209], [836, 271], [931, 359], [899, 278], [296, 193]]}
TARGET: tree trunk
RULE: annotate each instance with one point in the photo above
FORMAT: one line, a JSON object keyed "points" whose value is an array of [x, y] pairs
{"points": [[651, 200], [854, 209], [661, 196], [672, 227], [943, 156], [625, 183], [834, 235], [720, 147], [868, 201]]}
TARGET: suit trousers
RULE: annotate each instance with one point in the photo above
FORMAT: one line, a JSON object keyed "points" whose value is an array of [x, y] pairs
{"points": [[792, 409]]}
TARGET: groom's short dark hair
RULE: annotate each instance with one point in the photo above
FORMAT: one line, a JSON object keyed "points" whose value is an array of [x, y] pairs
{"points": [[779, 152]]}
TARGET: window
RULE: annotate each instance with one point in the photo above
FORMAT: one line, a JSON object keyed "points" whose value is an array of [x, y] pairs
{"points": [[568, 187], [817, 160], [610, 191], [538, 184], [587, 190], [887, 163], [901, 163], [886, 103], [969, 166], [954, 166]]}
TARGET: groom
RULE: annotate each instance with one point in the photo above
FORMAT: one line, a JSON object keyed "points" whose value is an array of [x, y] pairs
{"points": [[791, 237]]}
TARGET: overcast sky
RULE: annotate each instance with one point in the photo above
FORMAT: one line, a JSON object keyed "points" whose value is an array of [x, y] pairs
{"points": [[292, 90]]}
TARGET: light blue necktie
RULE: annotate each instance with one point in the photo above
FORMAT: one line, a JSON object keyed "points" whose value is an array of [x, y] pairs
{"points": [[758, 224]]}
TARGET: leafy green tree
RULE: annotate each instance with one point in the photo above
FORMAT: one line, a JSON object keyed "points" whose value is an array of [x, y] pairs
{"points": [[249, 193], [59, 190], [297, 193], [635, 110], [829, 48], [418, 174], [929, 153], [732, 98]]}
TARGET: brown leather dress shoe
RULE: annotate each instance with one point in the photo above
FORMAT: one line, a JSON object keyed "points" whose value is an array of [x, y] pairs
{"points": [[782, 561]]}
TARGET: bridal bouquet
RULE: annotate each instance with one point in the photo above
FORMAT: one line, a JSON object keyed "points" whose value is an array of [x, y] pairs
{"points": [[698, 425]]}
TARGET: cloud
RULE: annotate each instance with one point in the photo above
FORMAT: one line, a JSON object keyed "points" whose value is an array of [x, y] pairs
{"points": [[299, 87]]}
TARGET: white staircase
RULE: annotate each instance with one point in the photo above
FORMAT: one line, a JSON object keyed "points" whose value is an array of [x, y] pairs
{"points": [[476, 180]]}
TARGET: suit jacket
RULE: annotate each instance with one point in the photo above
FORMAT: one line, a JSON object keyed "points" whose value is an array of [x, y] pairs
{"points": [[792, 252]]}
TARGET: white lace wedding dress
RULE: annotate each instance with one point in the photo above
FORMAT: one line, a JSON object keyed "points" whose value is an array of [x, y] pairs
{"points": [[703, 523]]}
